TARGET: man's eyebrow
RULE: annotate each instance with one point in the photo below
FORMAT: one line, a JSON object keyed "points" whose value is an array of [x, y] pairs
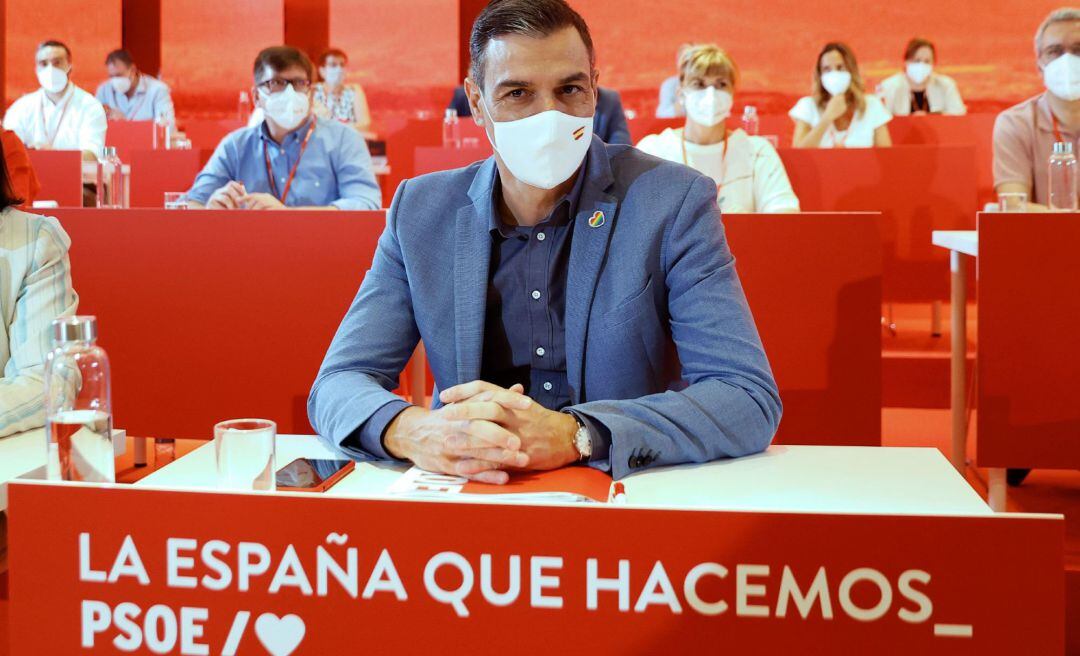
{"points": [[576, 77], [512, 84]]}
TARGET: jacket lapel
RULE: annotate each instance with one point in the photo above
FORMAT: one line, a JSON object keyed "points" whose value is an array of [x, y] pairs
{"points": [[472, 259], [587, 254]]}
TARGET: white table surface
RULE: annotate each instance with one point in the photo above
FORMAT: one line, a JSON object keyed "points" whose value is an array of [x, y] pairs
{"points": [[22, 454], [962, 241], [878, 480]]}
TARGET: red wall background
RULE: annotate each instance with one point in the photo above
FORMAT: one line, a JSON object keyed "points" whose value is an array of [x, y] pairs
{"points": [[408, 53]]}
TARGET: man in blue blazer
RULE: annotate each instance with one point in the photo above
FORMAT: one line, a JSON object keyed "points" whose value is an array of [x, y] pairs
{"points": [[577, 301]]}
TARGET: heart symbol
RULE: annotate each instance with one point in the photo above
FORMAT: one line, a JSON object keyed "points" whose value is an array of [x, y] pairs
{"points": [[280, 635]]}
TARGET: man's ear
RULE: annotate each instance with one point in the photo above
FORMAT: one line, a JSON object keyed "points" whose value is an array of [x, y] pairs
{"points": [[472, 92], [256, 97]]}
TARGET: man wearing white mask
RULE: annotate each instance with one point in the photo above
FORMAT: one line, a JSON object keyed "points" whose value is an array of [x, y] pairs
{"points": [[1024, 135], [59, 115], [291, 159], [130, 95], [577, 300], [919, 89], [748, 173]]}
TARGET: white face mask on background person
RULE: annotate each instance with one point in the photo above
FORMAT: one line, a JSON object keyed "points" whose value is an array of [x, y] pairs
{"points": [[1062, 77], [542, 150], [708, 107], [836, 82], [287, 108], [52, 79], [120, 83], [333, 75], [919, 72]]}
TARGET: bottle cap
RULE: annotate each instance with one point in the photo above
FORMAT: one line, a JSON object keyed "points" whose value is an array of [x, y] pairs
{"points": [[1063, 148], [108, 151], [74, 329], [749, 110], [451, 112]]}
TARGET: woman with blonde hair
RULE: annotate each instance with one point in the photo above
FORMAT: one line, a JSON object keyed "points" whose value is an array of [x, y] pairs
{"points": [[839, 114], [748, 173]]}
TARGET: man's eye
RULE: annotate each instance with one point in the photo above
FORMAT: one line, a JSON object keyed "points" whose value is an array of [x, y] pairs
{"points": [[571, 89], [517, 93]]}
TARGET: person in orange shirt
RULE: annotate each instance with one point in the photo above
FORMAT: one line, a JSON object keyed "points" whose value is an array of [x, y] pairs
{"points": [[24, 182]]}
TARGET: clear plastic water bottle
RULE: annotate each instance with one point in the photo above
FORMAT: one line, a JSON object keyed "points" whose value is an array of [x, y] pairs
{"points": [[162, 133], [78, 404], [111, 180], [243, 108], [750, 123], [451, 135], [1063, 177]]}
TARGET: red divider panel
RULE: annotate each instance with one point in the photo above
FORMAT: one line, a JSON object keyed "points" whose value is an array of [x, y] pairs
{"points": [[206, 134], [154, 172], [214, 315], [285, 570], [130, 136], [813, 282], [60, 174], [972, 129], [918, 189], [1028, 360]]}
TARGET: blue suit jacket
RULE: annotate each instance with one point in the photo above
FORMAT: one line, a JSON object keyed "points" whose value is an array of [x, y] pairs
{"points": [[660, 345]]}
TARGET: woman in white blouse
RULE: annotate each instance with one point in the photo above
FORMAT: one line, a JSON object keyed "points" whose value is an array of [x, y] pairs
{"points": [[839, 113], [918, 89], [334, 99], [748, 173]]}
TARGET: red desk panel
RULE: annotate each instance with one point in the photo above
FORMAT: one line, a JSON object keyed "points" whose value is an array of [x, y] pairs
{"points": [[813, 282], [154, 172], [206, 134], [970, 130], [212, 315], [918, 189], [60, 174], [1028, 359], [130, 136], [429, 159]]}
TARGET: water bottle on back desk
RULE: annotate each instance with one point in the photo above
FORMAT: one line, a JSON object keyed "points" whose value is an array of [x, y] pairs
{"points": [[1063, 178], [78, 404]]}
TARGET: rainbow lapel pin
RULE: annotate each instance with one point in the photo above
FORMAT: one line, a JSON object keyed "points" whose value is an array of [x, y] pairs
{"points": [[597, 219]]}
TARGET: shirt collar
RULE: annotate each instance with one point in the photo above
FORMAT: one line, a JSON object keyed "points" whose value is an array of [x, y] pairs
{"points": [[556, 217]]}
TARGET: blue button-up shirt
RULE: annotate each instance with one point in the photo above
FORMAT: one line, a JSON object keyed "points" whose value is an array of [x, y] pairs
{"points": [[151, 101], [335, 169], [524, 323]]}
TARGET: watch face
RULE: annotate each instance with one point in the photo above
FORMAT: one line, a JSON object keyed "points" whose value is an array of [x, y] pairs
{"points": [[583, 442]]}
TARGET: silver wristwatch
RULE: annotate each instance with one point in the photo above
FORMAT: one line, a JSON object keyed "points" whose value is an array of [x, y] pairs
{"points": [[582, 439]]}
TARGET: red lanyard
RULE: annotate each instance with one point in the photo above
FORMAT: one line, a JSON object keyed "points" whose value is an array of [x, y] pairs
{"points": [[45, 126], [292, 173], [1057, 128], [723, 159]]}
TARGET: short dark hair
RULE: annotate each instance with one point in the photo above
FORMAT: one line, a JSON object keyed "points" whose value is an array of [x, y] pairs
{"points": [[120, 56], [7, 195], [332, 52], [535, 18], [278, 58], [53, 43], [915, 44]]}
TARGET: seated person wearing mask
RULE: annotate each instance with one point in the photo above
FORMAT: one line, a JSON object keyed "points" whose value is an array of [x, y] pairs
{"points": [[918, 89], [291, 159], [1024, 135], [131, 95], [839, 113], [336, 100], [747, 171], [59, 115], [609, 123], [577, 301], [36, 289]]}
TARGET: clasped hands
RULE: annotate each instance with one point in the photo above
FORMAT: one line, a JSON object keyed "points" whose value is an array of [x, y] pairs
{"points": [[483, 431], [233, 196]]}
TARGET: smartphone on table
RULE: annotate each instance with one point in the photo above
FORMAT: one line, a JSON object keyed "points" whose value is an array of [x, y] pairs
{"points": [[312, 474]]}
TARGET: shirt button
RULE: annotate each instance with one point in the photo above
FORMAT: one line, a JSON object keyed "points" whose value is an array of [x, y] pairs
{"points": [[541, 236], [536, 294], [547, 387], [540, 351]]}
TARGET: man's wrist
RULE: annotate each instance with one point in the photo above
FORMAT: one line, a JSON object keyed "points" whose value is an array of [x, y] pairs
{"points": [[393, 439]]}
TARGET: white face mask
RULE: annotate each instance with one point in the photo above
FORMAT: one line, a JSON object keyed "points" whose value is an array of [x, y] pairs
{"points": [[286, 108], [1062, 77], [708, 107], [121, 83], [52, 79], [919, 72], [542, 150], [333, 75], [836, 82]]}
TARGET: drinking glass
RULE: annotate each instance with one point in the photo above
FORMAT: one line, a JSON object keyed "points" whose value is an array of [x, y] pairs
{"points": [[244, 450], [1013, 201], [175, 200]]}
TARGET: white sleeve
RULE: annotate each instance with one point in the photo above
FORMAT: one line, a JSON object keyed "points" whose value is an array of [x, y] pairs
{"points": [[93, 127], [649, 144], [15, 120], [805, 111], [954, 104], [772, 189], [876, 114]]}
